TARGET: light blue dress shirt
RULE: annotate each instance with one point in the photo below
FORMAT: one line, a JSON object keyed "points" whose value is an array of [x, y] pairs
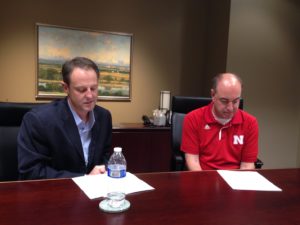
{"points": [[84, 131]]}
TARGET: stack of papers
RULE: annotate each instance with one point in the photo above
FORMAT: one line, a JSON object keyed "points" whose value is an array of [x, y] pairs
{"points": [[95, 186], [247, 180]]}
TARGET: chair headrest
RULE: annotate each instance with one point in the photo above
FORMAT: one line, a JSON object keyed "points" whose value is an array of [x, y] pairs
{"points": [[185, 104], [11, 114]]}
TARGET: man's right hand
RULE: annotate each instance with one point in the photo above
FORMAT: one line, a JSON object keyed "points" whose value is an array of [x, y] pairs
{"points": [[98, 170]]}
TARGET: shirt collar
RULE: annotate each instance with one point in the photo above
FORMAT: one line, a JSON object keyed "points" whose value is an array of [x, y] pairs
{"points": [[209, 118], [79, 121]]}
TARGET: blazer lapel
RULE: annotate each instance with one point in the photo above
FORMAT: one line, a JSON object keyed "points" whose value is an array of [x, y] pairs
{"points": [[95, 131], [72, 130]]}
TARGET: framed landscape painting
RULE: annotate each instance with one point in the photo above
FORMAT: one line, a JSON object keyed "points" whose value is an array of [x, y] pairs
{"points": [[110, 51]]}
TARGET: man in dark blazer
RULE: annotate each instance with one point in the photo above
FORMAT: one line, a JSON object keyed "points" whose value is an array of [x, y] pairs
{"points": [[69, 137]]}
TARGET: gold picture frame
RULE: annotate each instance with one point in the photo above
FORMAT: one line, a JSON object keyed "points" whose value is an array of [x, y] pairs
{"points": [[111, 51]]}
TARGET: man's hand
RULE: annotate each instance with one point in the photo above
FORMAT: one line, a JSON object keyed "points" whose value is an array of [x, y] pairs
{"points": [[98, 170]]}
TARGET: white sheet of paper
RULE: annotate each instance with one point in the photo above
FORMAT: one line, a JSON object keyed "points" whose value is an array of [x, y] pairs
{"points": [[247, 180], [95, 186]]}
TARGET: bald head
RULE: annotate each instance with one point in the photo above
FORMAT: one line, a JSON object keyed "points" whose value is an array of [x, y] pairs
{"points": [[227, 79], [226, 93]]}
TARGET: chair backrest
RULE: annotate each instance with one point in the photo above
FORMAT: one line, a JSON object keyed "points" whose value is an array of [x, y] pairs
{"points": [[181, 105], [11, 115]]}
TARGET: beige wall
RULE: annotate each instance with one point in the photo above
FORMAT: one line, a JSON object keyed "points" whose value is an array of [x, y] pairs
{"points": [[157, 46], [264, 49], [171, 41]]}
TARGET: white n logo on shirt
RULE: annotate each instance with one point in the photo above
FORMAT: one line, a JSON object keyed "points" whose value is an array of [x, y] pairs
{"points": [[238, 139]]}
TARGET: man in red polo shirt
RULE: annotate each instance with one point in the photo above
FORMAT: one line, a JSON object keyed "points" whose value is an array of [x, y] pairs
{"points": [[220, 135]]}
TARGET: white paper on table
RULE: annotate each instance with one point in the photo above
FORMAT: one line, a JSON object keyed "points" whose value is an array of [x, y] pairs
{"points": [[247, 180], [95, 186]]}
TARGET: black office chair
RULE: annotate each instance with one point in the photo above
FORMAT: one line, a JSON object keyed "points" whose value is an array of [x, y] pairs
{"points": [[181, 105], [11, 115]]}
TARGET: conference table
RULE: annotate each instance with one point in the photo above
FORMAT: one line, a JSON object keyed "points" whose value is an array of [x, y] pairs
{"points": [[179, 198]]}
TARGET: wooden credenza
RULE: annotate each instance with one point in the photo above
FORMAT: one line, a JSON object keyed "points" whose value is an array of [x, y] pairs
{"points": [[146, 149]]}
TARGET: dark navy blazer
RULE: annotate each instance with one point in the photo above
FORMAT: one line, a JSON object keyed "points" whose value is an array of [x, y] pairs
{"points": [[49, 144]]}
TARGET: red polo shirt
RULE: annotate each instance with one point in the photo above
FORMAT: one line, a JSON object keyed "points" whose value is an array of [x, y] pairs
{"points": [[220, 146]]}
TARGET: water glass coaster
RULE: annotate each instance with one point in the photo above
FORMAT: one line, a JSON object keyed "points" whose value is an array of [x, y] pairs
{"points": [[114, 203]]}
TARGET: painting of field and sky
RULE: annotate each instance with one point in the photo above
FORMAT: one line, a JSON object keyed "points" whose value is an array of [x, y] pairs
{"points": [[110, 51]]}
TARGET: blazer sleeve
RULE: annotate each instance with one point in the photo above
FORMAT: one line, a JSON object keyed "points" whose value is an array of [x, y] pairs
{"points": [[34, 155]]}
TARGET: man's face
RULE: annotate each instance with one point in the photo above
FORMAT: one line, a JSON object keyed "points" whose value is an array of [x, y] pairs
{"points": [[82, 90], [226, 99]]}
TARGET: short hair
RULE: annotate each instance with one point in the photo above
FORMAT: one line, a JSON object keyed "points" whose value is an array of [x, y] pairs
{"points": [[77, 62], [219, 76]]}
